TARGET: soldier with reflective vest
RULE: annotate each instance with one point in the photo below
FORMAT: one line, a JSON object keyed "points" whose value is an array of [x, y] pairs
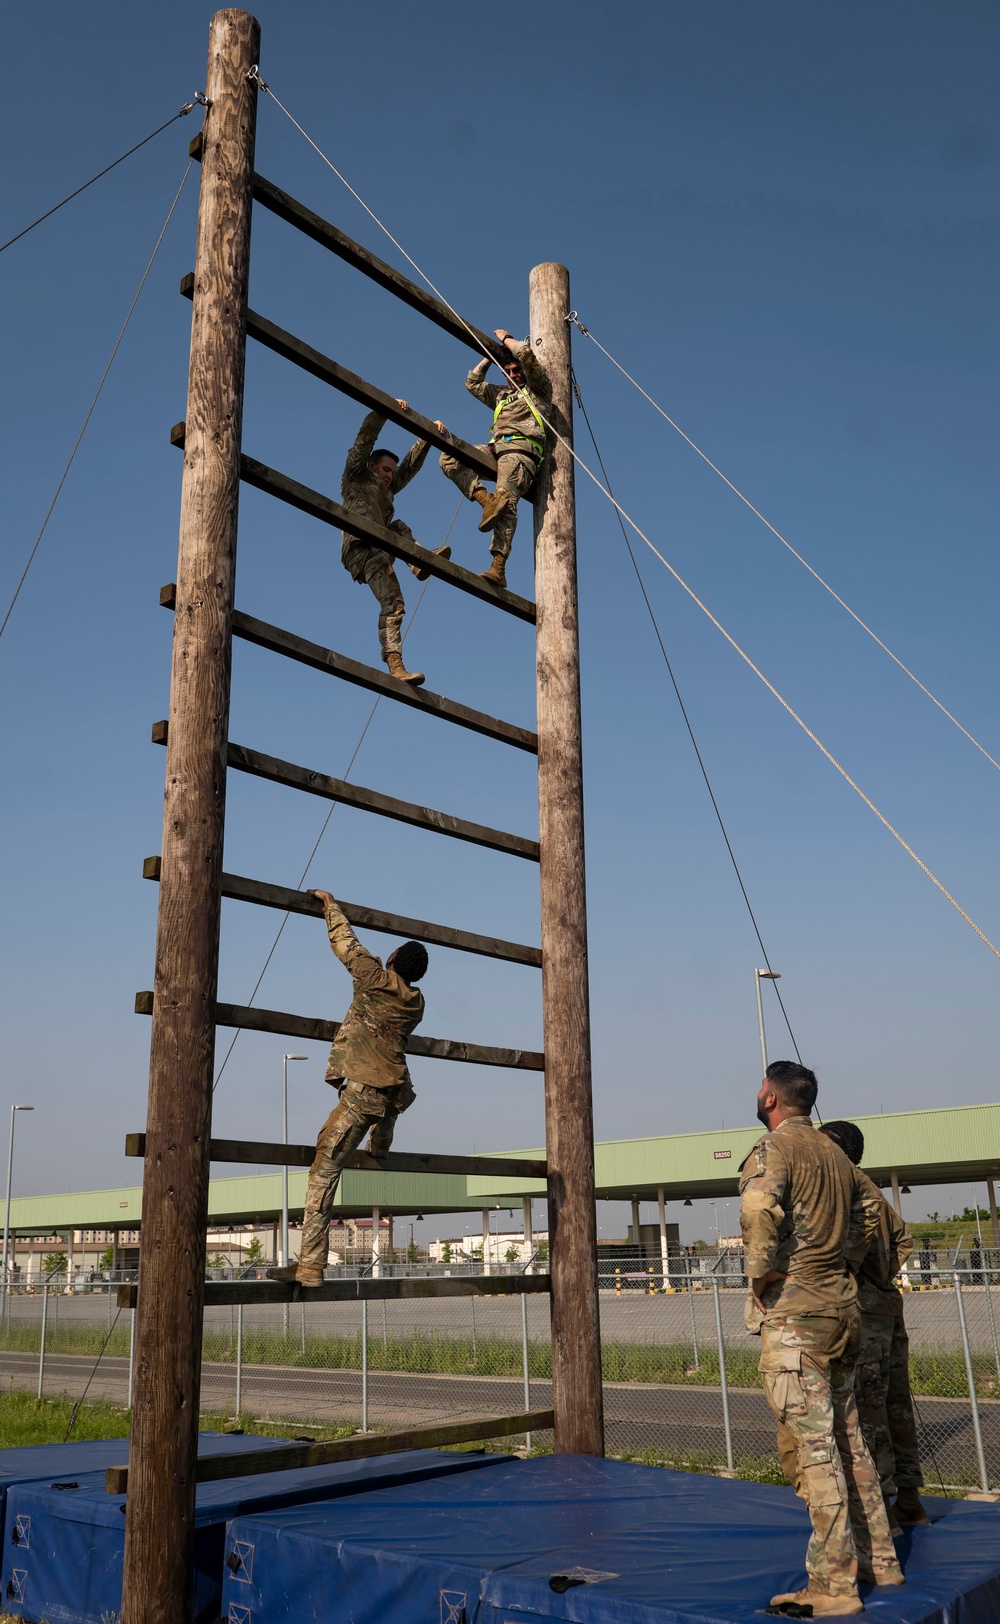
{"points": [[517, 442]]}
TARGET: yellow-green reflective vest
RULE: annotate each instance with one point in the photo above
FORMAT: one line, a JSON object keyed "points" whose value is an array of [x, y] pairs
{"points": [[522, 394]]}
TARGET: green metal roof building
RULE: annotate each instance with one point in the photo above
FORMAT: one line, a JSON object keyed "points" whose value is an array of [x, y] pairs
{"points": [[957, 1145]]}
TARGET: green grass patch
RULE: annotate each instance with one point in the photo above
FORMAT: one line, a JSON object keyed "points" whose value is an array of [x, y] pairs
{"points": [[28, 1420]]}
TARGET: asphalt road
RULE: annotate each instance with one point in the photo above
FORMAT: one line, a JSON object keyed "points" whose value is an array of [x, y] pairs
{"points": [[674, 1422], [633, 1318]]}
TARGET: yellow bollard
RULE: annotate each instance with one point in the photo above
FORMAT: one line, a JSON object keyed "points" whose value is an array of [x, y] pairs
{"points": [[618, 1282]]}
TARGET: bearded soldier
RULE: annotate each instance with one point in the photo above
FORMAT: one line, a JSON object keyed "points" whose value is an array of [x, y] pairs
{"points": [[372, 478], [885, 1404], [517, 441], [805, 1223], [367, 1066]]}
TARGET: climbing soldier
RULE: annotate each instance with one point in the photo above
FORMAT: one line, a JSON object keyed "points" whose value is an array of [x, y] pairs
{"points": [[371, 479], [367, 1066], [517, 441], [885, 1404], [806, 1221]]}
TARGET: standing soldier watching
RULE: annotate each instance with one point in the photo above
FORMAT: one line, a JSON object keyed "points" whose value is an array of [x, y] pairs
{"points": [[371, 479], [517, 441], [804, 1223], [885, 1404], [367, 1066]]}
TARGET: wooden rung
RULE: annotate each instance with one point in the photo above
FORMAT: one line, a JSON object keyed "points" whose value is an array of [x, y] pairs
{"points": [[280, 1155], [366, 676], [314, 226], [356, 388], [364, 1445], [259, 765], [320, 1031], [325, 508], [224, 1293], [304, 902]]}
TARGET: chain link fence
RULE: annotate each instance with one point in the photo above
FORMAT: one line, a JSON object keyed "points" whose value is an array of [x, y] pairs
{"points": [[681, 1385]]}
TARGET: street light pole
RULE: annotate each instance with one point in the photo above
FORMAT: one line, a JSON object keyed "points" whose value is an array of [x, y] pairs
{"points": [[758, 977], [10, 1171], [284, 1139]]}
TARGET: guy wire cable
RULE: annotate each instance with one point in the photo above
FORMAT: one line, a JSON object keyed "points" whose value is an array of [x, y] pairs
{"points": [[97, 396], [346, 774], [572, 452], [200, 100], [687, 719], [573, 317]]}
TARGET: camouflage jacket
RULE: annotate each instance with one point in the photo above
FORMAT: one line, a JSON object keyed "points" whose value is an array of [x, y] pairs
{"points": [[888, 1250], [370, 1046], [515, 416], [806, 1216], [362, 493]]}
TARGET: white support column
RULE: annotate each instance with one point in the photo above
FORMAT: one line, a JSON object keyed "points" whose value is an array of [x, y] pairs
{"points": [[390, 1243], [664, 1254], [635, 1221], [992, 1194], [376, 1244], [894, 1181], [486, 1240], [529, 1239]]}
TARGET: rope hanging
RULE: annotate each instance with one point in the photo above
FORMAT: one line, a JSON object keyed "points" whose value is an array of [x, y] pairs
{"points": [[97, 396], [200, 100], [643, 537], [574, 318]]}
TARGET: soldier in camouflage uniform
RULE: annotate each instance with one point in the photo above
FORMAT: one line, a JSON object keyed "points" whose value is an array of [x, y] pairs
{"points": [[371, 479], [367, 1066], [885, 1404], [517, 441], [806, 1221]]}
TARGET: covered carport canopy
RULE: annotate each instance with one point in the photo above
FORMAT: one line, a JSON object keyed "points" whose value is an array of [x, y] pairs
{"points": [[956, 1145]]}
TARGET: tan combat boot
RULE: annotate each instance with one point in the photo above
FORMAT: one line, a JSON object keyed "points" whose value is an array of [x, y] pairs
{"points": [[880, 1574], [497, 572], [422, 572], [794, 1602], [492, 509], [294, 1274], [398, 670], [909, 1510]]}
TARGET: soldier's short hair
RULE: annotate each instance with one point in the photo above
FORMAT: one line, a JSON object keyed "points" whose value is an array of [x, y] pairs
{"points": [[410, 961], [793, 1083], [380, 452], [848, 1136]]}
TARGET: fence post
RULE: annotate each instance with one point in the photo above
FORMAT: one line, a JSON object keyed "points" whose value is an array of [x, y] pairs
{"points": [[694, 1323], [475, 1349], [977, 1429], [41, 1351], [131, 1356], [524, 1363], [239, 1360], [364, 1364], [303, 1328], [988, 1279], [108, 1291], [722, 1377]]}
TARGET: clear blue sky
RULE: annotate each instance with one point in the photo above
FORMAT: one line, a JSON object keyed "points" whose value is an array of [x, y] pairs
{"points": [[783, 220]]}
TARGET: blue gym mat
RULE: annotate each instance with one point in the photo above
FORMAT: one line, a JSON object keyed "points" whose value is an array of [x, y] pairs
{"points": [[63, 1548], [636, 1545], [58, 1463]]}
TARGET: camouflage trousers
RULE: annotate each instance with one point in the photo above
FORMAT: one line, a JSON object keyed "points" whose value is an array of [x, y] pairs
{"points": [[374, 569], [885, 1406], [359, 1110], [516, 472], [808, 1365]]}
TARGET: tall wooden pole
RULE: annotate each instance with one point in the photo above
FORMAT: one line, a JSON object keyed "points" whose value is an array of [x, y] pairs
{"points": [[159, 1521], [569, 1115]]}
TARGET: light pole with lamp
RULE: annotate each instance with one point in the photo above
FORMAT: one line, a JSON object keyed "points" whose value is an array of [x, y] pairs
{"points": [[758, 977], [10, 1171], [284, 1139]]}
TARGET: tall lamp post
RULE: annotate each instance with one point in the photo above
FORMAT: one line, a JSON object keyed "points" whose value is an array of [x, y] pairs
{"points": [[10, 1170], [284, 1139], [758, 977]]}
